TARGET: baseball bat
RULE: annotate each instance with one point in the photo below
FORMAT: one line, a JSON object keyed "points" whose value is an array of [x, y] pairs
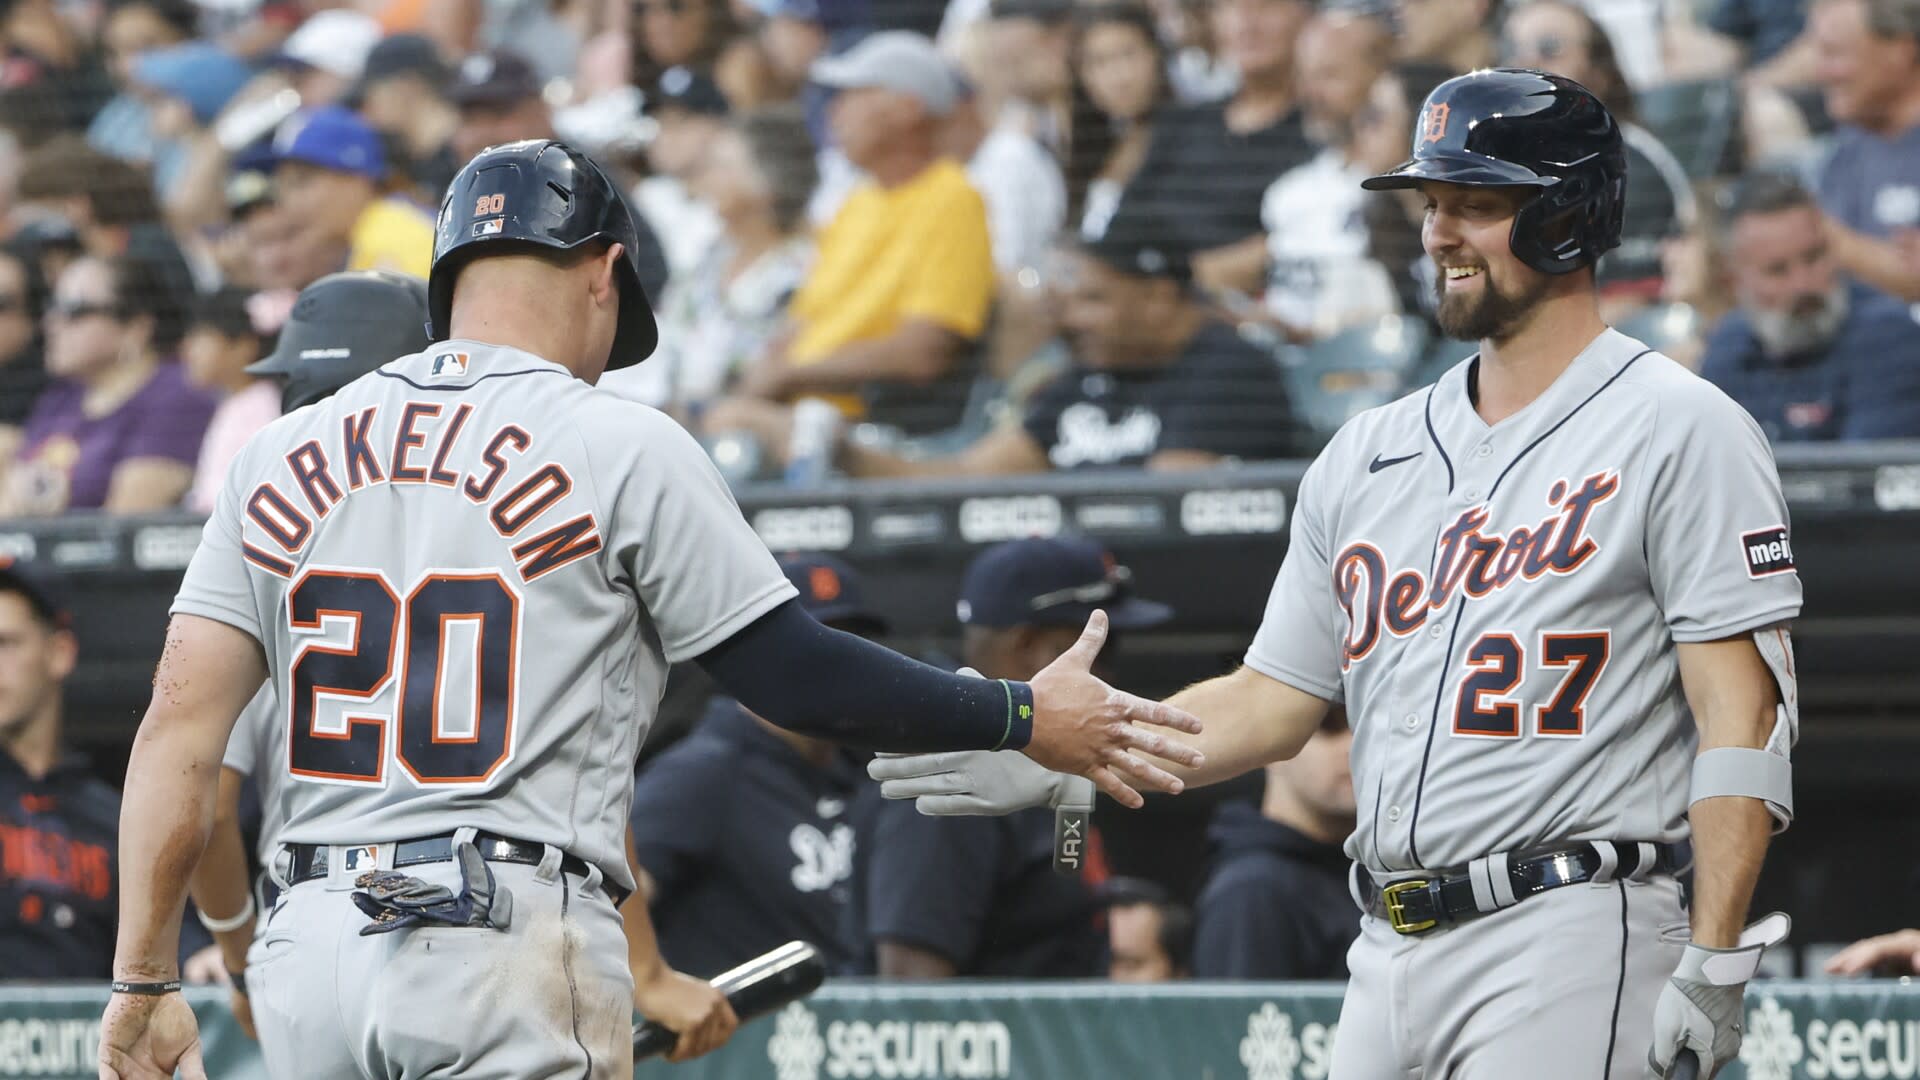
{"points": [[1686, 1066], [755, 988], [1072, 811]]}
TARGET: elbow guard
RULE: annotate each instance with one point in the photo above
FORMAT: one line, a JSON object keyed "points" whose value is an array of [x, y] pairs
{"points": [[1765, 774]]}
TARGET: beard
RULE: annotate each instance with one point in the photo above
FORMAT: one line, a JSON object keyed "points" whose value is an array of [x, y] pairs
{"points": [[1810, 324], [1491, 314]]}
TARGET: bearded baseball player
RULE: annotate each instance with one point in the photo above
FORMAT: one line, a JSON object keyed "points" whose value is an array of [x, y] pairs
{"points": [[1553, 592], [465, 576]]}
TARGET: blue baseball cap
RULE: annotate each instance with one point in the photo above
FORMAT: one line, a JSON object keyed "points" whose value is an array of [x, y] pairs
{"points": [[832, 592], [202, 74], [46, 593], [1057, 581], [332, 137]]}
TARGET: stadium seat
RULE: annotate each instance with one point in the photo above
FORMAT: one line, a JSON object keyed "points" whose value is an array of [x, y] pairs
{"points": [[1338, 377], [1698, 121]]}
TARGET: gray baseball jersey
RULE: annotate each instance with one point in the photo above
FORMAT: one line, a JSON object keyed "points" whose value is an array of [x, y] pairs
{"points": [[1499, 606], [469, 572], [260, 736]]}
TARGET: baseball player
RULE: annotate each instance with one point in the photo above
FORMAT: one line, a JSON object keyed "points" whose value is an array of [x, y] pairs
{"points": [[1553, 591], [465, 576]]}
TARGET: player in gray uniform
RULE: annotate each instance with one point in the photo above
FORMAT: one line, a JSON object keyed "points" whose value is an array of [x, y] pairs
{"points": [[465, 576], [1553, 592]]}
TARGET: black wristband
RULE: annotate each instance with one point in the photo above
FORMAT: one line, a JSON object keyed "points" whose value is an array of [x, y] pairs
{"points": [[239, 980], [146, 989], [1019, 716]]}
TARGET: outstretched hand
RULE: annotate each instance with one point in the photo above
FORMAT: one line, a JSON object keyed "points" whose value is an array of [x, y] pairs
{"points": [[1084, 727]]}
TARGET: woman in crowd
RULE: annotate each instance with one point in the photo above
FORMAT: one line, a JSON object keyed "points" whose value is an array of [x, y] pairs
{"points": [[1560, 37], [757, 176], [220, 342], [1380, 142], [1120, 82], [120, 428]]}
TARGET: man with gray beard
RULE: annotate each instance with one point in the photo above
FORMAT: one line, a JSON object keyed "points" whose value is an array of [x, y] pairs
{"points": [[1810, 355]]}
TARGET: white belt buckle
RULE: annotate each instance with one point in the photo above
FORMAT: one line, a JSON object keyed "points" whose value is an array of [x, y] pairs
{"points": [[346, 863]]}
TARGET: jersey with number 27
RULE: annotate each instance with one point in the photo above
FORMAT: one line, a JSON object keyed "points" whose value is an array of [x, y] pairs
{"points": [[1499, 605], [469, 571]]}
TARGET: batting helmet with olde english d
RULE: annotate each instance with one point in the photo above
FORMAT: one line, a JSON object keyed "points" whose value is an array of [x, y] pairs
{"points": [[1514, 127], [542, 194]]}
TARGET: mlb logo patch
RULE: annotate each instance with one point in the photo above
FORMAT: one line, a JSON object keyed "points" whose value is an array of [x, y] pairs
{"points": [[448, 365], [1767, 552], [361, 858], [489, 227]]}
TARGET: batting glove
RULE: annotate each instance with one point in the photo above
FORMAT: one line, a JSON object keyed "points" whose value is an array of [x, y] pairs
{"points": [[983, 783], [1700, 1007]]}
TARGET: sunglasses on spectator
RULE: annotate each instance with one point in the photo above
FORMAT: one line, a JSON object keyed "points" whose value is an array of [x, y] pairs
{"points": [[81, 309]]}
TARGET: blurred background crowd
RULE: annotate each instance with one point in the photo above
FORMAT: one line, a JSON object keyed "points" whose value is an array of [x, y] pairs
{"points": [[911, 237], [905, 238]]}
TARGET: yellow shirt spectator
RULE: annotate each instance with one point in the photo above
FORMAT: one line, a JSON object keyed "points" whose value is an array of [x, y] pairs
{"points": [[391, 235], [919, 250]]}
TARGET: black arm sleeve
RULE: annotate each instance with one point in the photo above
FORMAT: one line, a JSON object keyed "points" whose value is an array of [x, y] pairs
{"points": [[816, 681]]}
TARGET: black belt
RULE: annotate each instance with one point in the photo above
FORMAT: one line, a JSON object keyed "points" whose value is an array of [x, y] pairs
{"points": [[1417, 905], [312, 861]]}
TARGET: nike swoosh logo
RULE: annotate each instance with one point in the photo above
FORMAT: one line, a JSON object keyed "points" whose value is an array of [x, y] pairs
{"points": [[1388, 463]]}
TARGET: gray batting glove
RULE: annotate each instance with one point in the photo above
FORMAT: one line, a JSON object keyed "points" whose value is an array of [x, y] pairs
{"points": [[1700, 1009], [977, 782]]}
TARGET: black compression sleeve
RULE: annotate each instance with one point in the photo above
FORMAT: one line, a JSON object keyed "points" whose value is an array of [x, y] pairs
{"points": [[822, 682]]}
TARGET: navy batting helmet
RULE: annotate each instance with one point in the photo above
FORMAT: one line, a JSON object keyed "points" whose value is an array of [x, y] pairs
{"points": [[342, 327], [1512, 127], [543, 194]]}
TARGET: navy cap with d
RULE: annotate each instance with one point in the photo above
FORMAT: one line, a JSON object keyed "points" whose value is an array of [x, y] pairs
{"points": [[1057, 581], [832, 592]]}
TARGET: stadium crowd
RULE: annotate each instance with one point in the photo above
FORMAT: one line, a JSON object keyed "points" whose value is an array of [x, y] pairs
{"points": [[903, 238]]}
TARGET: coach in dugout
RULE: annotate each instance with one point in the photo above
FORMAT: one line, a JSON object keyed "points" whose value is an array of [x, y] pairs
{"points": [[741, 834]]}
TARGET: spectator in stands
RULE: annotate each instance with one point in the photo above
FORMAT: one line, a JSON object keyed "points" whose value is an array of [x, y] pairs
{"points": [[328, 53], [1017, 178], [1276, 905], [679, 33], [54, 82], [1028, 44], [689, 114], [742, 834], [184, 89], [1761, 42], [1561, 37], [938, 897], [120, 429], [1810, 357], [59, 824], [904, 278], [1149, 933], [500, 99], [110, 205], [220, 342], [716, 317], [1895, 955], [402, 93], [1458, 34], [1120, 67], [1319, 278], [1156, 379], [329, 167], [124, 127], [23, 370], [1209, 166], [1869, 64]]}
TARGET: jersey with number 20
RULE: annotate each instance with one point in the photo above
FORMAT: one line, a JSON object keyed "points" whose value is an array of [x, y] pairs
{"points": [[469, 571]]}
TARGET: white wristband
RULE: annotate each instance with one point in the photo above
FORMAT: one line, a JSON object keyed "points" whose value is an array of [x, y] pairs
{"points": [[222, 926]]}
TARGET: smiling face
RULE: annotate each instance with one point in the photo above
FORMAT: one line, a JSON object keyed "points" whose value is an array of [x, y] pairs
{"points": [[1485, 292]]}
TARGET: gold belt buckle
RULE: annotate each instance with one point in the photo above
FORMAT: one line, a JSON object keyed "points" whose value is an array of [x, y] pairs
{"points": [[1397, 908]]}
